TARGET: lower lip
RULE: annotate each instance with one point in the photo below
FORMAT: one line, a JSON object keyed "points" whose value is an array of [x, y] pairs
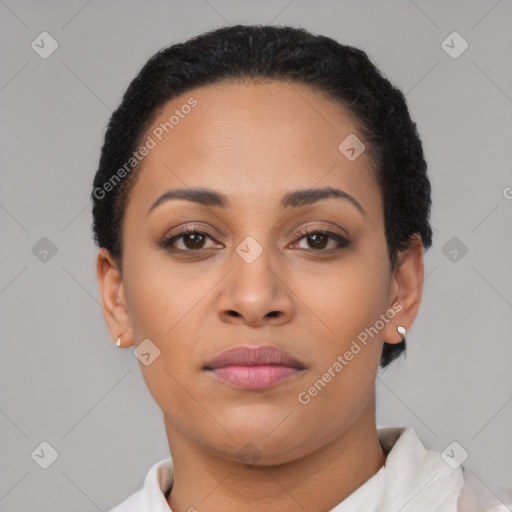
{"points": [[254, 377]]}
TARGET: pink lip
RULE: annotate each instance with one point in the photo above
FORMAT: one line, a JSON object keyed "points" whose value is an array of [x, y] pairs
{"points": [[253, 368]]}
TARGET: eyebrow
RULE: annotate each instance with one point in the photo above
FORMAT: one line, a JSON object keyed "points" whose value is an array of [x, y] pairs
{"points": [[295, 199]]}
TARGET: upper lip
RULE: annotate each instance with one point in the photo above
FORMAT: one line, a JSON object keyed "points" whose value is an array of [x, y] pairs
{"points": [[253, 356]]}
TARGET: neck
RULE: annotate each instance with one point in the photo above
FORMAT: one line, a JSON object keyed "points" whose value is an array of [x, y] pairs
{"points": [[318, 481]]}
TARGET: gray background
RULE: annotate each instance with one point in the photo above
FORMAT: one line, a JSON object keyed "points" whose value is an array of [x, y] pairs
{"points": [[63, 381]]}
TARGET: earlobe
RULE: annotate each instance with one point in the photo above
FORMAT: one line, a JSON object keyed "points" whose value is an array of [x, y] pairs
{"points": [[407, 288], [113, 298]]}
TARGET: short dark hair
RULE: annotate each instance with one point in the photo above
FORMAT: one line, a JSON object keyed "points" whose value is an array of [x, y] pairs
{"points": [[259, 52]]}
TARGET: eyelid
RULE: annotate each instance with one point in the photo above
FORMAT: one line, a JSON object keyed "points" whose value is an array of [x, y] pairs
{"points": [[189, 228], [175, 234], [301, 232], [306, 230]]}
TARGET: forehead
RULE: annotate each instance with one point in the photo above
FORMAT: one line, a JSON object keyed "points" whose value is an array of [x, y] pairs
{"points": [[253, 138]]}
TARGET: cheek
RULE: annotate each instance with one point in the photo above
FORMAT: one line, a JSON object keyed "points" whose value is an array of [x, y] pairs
{"points": [[342, 301], [160, 310], [161, 297], [163, 305], [341, 305]]}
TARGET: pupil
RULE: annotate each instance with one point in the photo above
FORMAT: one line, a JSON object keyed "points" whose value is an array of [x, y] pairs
{"points": [[318, 245], [195, 238]]}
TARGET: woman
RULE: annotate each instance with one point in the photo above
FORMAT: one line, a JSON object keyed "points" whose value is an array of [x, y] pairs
{"points": [[261, 208]]}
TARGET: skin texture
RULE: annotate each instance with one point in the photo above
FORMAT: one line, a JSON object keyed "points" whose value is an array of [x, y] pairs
{"points": [[255, 142]]}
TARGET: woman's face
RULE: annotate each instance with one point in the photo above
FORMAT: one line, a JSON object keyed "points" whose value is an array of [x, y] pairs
{"points": [[251, 276]]}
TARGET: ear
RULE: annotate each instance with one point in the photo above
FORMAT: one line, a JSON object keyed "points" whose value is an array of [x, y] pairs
{"points": [[113, 298], [406, 289]]}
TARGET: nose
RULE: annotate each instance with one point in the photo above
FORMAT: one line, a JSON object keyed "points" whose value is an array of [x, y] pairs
{"points": [[256, 293]]}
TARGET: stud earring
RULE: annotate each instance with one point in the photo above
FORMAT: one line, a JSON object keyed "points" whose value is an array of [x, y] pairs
{"points": [[118, 342], [401, 330]]}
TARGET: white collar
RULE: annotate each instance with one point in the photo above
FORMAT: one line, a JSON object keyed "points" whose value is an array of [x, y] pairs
{"points": [[412, 479]]}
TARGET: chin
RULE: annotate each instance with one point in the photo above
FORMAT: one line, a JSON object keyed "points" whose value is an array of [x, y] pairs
{"points": [[264, 453], [257, 421], [260, 439]]}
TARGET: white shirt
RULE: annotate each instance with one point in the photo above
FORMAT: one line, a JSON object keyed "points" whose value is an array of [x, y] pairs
{"points": [[412, 479]]}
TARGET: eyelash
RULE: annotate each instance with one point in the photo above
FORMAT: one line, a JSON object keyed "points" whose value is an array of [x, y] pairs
{"points": [[342, 242], [168, 242]]}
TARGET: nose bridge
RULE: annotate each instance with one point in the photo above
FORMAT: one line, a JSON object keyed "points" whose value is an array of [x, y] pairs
{"points": [[255, 286], [257, 244], [253, 264]]}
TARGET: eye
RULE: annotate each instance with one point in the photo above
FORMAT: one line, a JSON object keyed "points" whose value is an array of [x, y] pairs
{"points": [[192, 239], [319, 238]]}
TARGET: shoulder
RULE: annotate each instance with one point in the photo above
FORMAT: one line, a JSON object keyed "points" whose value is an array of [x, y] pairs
{"points": [[410, 467], [151, 498], [477, 496]]}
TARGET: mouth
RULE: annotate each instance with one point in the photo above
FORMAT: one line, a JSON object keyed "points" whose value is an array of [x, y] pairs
{"points": [[254, 368]]}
